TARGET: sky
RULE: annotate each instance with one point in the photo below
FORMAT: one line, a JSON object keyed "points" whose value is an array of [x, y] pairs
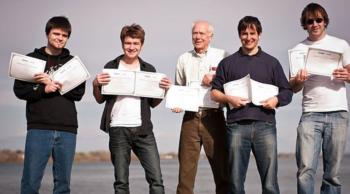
{"points": [[95, 39]]}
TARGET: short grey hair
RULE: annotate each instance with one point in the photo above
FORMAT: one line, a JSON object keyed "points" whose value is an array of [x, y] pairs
{"points": [[210, 26]]}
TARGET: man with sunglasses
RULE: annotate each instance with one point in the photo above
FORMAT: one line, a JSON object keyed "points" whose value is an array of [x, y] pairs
{"points": [[324, 121]]}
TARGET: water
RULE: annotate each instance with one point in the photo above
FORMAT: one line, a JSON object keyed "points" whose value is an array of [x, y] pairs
{"points": [[98, 178]]}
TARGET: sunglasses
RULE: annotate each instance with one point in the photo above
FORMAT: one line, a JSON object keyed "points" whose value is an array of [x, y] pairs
{"points": [[311, 21]]}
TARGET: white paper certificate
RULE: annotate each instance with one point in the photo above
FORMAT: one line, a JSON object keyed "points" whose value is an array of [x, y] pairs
{"points": [[250, 89], [134, 83], [296, 61], [322, 62], [147, 84], [121, 82], [261, 91], [239, 88], [24, 68], [204, 98], [71, 74], [182, 97]]}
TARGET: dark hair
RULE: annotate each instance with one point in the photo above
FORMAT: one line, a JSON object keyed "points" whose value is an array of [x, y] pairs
{"points": [[58, 22], [313, 9], [248, 22], [133, 31]]}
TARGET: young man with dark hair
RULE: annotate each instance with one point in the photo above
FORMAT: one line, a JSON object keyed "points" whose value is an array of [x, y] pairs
{"points": [[127, 119], [324, 121], [251, 127], [51, 117]]}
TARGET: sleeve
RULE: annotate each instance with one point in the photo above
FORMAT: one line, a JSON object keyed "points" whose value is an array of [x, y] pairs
{"points": [[285, 91], [219, 79], [77, 93], [346, 55], [180, 77], [28, 91]]}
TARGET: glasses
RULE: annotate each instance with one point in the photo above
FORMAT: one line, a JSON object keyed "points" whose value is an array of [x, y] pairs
{"points": [[311, 21]]}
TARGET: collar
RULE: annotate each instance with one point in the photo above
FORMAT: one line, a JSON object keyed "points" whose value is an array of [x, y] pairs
{"points": [[194, 53], [240, 51], [142, 63]]}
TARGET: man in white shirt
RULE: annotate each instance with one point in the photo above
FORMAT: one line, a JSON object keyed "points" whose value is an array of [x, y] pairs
{"points": [[207, 126], [324, 122], [127, 119]]}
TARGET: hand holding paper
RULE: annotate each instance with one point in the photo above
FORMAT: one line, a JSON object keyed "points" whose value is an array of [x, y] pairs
{"points": [[70, 75], [43, 78], [250, 90], [341, 74], [322, 62], [101, 79], [24, 68], [182, 98], [134, 83], [237, 102]]}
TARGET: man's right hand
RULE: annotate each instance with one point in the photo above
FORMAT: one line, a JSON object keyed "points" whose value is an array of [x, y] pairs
{"points": [[52, 87], [42, 78], [301, 76], [177, 110], [101, 79], [237, 102]]}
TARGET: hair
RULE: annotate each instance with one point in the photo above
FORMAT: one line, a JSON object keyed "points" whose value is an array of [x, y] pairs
{"points": [[313, 9], [133, 31], [249, 22], [210, 26], [58, 22]]}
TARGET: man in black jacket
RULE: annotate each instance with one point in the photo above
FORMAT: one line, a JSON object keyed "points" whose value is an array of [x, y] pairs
{"points": [[127, 119], [51, 117]]}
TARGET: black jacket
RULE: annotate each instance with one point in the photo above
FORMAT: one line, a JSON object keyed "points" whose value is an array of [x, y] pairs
{"points": [[49, 111], [146, 126]]}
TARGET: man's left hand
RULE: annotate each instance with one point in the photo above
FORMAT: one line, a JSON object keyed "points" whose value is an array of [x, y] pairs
{"points": [[342, 74], [207, 79], [165, 83], [270, 103]]}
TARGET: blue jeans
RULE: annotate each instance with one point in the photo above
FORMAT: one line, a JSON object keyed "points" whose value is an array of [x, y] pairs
{"points": [[40, 145], [121, 141], [260, 138], [327, 130]]}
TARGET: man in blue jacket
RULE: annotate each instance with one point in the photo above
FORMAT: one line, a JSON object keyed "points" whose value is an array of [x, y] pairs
{"points": [[251, 127]]}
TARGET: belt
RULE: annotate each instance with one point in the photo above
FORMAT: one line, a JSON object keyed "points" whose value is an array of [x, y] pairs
{"points": [[204, 111]]}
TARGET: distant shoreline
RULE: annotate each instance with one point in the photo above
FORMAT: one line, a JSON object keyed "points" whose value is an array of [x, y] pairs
{"points": [[17, 156]]}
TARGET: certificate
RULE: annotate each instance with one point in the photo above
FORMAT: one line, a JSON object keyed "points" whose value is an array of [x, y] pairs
{"points": [[121, 82], [322, 62], [261, 91], [182, 97], [147, 84], [70, 75], [204, 97], [296, 61], [254, 91], [133, 83], [24, 68]]}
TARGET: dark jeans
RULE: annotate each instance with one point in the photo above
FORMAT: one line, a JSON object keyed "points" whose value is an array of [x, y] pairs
{"points": [[121, 141], [207, 129]]}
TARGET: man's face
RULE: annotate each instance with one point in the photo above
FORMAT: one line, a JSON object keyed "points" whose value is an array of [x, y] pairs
{"points": [[132, 47], [315, 26], [57, 38], [201, 37], [249, 38]]}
